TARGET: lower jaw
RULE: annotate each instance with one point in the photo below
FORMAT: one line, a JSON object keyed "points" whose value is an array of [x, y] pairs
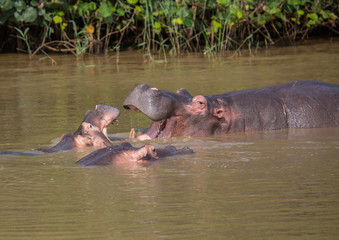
{"points": [[143, 137], [156, 130], [149, 136]]}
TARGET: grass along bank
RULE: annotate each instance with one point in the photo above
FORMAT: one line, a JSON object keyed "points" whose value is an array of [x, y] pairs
{"points": [[168, 26]]}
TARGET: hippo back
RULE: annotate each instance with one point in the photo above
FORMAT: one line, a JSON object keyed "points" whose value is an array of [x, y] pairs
{"points": [[310, 103]]}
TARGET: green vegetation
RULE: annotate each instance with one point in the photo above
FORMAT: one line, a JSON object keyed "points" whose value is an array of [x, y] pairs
{"points": [[174, 26]]}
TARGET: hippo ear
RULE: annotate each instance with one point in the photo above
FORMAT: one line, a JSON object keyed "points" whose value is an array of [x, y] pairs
{"points": [[199, 104], [219, 113], [222, 114]]}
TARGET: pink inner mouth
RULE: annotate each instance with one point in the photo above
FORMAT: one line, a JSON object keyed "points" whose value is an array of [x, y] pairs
{"points": [[155, 130], [133, 108], [158, 129]]}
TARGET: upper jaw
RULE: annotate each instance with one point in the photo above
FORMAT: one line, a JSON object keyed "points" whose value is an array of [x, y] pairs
{"points": [[107, 114], [151, 103], [155, 104], [111, 119]]}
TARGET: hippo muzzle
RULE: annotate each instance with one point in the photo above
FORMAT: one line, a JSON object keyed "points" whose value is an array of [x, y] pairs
{"points": [[155, 104]]}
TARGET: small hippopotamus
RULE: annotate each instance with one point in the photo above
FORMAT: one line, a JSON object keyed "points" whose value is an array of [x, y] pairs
{"points": [[299, 104], [126, 153], [92, 130]]}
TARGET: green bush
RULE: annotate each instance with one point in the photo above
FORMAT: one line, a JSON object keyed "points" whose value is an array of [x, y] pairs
{"points": [[177, 26]]}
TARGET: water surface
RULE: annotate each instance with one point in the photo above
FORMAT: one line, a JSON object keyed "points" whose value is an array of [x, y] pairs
{"points": [[261, 185]]}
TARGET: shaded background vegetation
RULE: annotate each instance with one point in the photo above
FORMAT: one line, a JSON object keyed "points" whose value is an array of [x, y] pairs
{"points": [[174, 26]]}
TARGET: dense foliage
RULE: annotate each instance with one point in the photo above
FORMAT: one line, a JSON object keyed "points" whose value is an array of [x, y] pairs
{"points": [[159, 26]]}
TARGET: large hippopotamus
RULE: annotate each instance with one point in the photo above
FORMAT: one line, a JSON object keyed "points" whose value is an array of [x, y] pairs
{"points": [[300, 104], [92, 130], [126, 153]]}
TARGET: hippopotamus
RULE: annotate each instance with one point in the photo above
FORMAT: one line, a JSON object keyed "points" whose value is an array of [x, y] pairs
{"points": [[299, 104], [126, 153], [92, 132], [86, 135]]}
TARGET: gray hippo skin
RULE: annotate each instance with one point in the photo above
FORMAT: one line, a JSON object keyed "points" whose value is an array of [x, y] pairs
{"points": [[92, 131], [125, 153], [300, 104]]}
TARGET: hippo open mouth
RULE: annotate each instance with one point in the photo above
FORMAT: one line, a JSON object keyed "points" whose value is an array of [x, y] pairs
{"points": [[158, 129], [161, 106]]}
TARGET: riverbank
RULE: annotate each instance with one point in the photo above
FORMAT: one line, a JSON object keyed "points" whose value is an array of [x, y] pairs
{"points": [[174, 27]]}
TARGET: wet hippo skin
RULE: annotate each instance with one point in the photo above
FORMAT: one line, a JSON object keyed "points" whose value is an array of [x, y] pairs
{"points": [[299, 104], [125, 152]]}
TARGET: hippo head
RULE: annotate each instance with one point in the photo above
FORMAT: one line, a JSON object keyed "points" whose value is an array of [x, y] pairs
{"points": [[101, 117], [91, 136], [176, 114], [92, 131]]}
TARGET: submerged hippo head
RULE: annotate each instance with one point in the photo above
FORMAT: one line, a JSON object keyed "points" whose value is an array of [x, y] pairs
{"points": [[176, 114], [126, 153]]}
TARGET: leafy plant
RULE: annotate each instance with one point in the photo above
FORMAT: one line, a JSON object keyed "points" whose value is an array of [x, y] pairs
{"points": [[209, 26], [23, 36]]}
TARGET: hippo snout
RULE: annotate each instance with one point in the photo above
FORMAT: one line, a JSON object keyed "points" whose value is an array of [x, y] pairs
{"points": [[154, 103]]}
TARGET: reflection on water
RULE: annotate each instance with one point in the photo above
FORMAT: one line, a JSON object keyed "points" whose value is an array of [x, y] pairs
{"points": [[264, 185]]}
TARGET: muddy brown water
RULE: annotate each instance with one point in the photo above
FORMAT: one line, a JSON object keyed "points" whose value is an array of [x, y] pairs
{"points": [[261, 185]]}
